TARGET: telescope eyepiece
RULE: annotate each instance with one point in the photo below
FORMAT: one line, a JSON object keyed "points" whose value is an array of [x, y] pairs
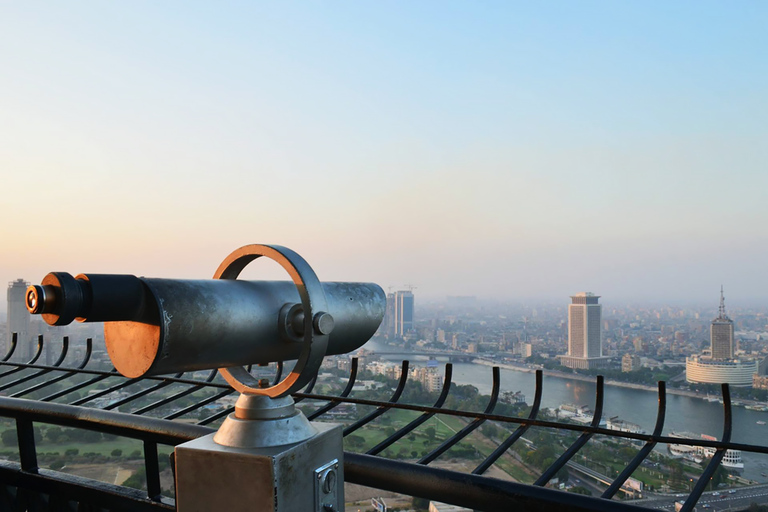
{"points": [[37, 298]]}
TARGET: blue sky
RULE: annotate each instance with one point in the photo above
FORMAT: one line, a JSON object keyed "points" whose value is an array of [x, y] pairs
{"points": [[503, 149]]}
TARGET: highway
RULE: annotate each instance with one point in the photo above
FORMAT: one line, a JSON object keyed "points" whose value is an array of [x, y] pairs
{"points": [[739, 499]]}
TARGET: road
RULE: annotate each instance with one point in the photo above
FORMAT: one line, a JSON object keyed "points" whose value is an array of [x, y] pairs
{"points": [[740, 499]]}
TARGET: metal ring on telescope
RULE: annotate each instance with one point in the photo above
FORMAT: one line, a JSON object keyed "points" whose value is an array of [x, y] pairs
{"points": [[312, 300]]}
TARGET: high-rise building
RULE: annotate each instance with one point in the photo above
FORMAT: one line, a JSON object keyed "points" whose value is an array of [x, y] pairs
{"points": [[403, 312], [18, 316], [585, 337], [721, 334], [388, 325], [720, 366]]}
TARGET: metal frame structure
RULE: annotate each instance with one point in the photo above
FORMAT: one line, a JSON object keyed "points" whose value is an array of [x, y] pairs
{"points": [[25, 486]]}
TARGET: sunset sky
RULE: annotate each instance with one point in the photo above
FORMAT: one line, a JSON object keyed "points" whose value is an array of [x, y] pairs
{"points": [[519, 150]]}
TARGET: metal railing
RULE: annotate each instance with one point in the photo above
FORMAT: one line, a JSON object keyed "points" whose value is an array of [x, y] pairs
{"points": [[25, 486]]}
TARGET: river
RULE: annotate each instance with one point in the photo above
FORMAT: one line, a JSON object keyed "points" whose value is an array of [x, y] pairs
{"points": [[684, 413]]}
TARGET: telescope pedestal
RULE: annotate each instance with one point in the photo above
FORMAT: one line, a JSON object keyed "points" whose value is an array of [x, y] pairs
{"points": [[266, 457]]}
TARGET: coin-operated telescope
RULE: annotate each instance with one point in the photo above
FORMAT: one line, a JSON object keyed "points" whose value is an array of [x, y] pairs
{"points": [[266, 456]]}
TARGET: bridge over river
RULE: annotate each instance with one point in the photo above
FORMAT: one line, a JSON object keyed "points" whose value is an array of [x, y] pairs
{"points": [[450, 356]]}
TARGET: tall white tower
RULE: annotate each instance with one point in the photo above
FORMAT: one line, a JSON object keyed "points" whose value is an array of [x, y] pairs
{"points": [[585, 335], [18, 316]]}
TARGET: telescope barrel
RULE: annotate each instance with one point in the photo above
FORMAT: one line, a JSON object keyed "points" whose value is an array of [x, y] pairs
{"points": [[161, 326]]}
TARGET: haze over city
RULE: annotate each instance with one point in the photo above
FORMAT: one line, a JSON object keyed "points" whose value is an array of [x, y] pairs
{"points": [[508, 150]]}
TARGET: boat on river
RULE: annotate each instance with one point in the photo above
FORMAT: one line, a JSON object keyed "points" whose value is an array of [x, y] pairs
{"points": [[731, 459]]}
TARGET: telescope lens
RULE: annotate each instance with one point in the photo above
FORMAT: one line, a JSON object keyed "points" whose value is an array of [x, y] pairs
{"points": [[33, 299]]}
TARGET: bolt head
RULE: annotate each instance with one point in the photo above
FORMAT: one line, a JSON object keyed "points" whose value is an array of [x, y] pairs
{"points": [[323, 323]]}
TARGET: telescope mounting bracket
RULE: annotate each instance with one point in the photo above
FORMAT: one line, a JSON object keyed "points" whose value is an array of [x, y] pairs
{"points": [[317, 323]]}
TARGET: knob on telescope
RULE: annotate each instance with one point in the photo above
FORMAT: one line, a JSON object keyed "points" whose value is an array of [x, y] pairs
{"points": [[159, 326]]}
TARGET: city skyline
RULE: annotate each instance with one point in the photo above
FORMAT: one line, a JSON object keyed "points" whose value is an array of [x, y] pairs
{"points": [[456, 147]]}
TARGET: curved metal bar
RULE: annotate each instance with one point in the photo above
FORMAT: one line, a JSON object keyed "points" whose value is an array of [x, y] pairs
{"points": [[86, 358], [468, 429], [79, 386], [204, 401], [421, 419], [470, 491], [308, 389], [139, 394], [40, 342], [107, 391], [706, 475], [381, 410], [31, 361], [543, 423], [111, 373], [518, 433], [12, 347], [550, 472], [645, 450], [347, 390], [39, 373], [178, 395], [279, 374], [218, 415]]}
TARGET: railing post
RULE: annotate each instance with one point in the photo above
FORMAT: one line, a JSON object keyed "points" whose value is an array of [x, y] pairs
{"points": [[152, 469], [27, 450]]}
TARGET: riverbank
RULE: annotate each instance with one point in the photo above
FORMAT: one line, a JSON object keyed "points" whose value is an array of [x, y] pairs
{"points": [[588, 378]]}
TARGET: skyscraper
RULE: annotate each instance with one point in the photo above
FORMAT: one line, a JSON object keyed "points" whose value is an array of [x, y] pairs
{"points": [[721, 333], [388, 325], [721, 366], [403, 312], [18, 316], [585, 336]]}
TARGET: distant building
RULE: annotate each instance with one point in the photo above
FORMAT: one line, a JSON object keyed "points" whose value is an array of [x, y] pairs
{"points": [[585, 337], [388, 325], [719, 366], [428, 376], [721, 334], [403, 304], [630, 363], [760, 381], [704, 370], [18, 316], [524, 349]]}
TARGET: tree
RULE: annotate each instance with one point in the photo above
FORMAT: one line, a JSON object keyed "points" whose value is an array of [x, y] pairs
{"points": [[430, 431], [117, 452], [9, 437], [354, 440], [53, 434]]}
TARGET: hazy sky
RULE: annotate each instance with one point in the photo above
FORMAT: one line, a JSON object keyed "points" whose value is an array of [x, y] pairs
{"points": [[502, 149]]}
